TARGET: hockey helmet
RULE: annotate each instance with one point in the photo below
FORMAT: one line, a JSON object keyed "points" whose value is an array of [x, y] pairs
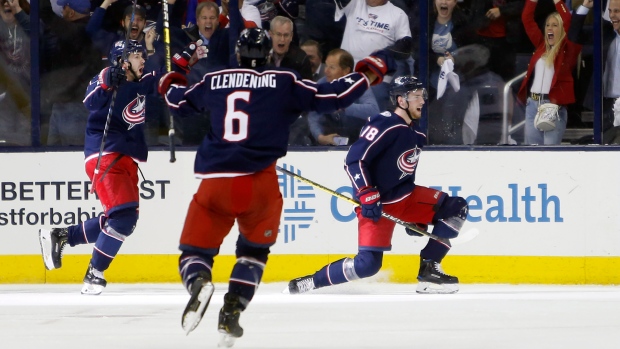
{"points": [[116, 53], [253, 47], [402, 85]]}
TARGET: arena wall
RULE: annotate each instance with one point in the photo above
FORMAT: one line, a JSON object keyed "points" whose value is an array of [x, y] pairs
{"points": [[544, 217]]}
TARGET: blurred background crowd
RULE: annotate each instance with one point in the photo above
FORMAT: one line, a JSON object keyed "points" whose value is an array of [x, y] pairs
{"points": [[477, 57]]}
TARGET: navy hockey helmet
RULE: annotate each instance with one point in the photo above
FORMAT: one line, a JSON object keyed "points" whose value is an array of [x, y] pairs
{"points": [[116, 52], [254, 47], [402, 85]]}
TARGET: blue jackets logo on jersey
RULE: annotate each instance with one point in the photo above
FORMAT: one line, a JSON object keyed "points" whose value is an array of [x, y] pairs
{"points": [[134, 112], [408, 161]]}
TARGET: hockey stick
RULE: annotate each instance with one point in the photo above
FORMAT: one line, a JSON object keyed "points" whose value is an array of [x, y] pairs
{"points": [[396, 220], [168, 69], [107, 121]]}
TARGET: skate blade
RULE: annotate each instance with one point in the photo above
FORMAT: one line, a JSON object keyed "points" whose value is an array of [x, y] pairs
{"points": [[92, 290], [431, 288], [191, 318], [226, 340], [45, 240]]}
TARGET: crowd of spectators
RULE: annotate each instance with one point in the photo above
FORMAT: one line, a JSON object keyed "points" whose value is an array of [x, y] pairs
{"points": [[478, 44]]}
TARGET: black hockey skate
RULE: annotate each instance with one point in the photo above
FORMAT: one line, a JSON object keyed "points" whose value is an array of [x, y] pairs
{"points": [[432, 279], [201, 290], [53, 243], [228, 324], [301, 285], [94, 283]]}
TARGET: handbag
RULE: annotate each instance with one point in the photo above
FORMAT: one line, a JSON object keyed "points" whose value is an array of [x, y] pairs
{"points": [[546, 117]]}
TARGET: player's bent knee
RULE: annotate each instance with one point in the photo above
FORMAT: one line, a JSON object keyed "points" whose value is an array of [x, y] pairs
{"points": [[122, 222], [367, 263], [450, 217]]}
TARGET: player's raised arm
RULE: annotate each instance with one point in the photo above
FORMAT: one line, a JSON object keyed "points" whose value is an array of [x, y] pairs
{"points": [[343, 92]]}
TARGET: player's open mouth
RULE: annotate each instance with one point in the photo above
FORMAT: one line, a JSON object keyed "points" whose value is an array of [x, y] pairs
{"points": [[550, 35], [443, 10]]}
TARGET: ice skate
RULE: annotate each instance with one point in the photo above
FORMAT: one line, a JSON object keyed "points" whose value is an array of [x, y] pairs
{"points": [[201, 291], [94, 283], [432, 279], [53, 243], [301, 285], [228, 324]]}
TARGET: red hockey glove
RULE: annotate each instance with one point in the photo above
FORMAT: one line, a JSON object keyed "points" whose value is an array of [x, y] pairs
{"points": [[370, 200], [169, 79], [183, 59], [381, 63], [111, 77]]}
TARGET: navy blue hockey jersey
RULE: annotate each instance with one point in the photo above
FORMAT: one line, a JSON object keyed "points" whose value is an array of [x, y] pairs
{"points": [[125, 133], [251, 113], [386, 156]]}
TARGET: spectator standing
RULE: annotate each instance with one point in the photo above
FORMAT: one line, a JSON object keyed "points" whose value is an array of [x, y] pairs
{"points": [[321, 26], [341, 127], [611, 58], [549, 75], [70, 57], [499, 28], [15, 121], [374, 25], [449, 28]]}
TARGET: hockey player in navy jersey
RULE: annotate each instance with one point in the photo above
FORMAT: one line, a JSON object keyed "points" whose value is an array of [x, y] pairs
{"points": [[381, 165], [116, 183], [251, 109]]}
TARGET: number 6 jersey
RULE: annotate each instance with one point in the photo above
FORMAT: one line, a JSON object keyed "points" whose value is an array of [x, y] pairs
{"points": [[251, 114]]}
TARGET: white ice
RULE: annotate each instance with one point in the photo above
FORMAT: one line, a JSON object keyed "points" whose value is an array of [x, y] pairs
{"points": [[357, 315]]}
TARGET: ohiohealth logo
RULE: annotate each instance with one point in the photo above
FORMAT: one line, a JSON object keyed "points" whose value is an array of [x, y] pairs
{"points": [[298, 212]]}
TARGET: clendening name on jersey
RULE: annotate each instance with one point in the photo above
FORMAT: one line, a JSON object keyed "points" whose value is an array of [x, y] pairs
{"points": [[246, 80]]}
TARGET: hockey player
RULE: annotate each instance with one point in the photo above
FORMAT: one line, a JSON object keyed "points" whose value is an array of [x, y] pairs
{"points": [[381, 165], [251, 109], [116, 183]]}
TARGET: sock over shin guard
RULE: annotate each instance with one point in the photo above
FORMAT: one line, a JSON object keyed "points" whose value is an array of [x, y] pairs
{"points": [[245, 278], [117, 228], [364, 264], [190, 264]]}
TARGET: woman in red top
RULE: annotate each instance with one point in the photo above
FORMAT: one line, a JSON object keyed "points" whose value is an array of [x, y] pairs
{"points": [[549, 76]]}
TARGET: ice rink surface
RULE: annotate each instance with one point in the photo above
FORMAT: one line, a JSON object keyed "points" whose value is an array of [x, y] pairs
{"points": [[357, 315]]}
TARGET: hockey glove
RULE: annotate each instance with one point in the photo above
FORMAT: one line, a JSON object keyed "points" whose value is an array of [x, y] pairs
{"points": [[381, 63], [370, 200], [411, 232], [111, 77], [169, 79], [184, 58]]}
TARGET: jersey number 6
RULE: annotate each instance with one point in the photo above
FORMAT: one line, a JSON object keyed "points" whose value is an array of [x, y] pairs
{"points": [[239, 133]]}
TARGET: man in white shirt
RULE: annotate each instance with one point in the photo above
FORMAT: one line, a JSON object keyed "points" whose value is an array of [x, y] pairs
{"points": [[374, 25]]}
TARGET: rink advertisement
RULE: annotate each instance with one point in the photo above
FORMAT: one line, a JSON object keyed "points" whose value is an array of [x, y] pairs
{"points": [[526, 208]]}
